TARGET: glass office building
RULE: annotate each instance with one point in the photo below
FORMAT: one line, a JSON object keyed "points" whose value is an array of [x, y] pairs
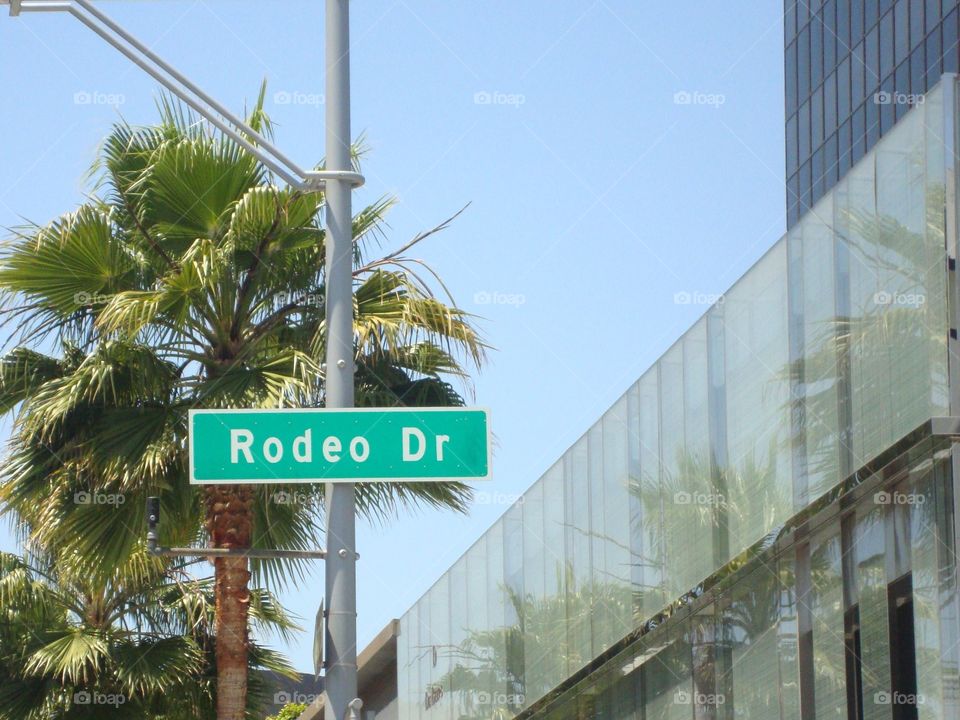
{"points": [[853, 68], [764, 525]]}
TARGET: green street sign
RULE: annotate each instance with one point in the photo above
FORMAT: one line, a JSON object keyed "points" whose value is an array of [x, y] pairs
{"points": [[318, 446]]}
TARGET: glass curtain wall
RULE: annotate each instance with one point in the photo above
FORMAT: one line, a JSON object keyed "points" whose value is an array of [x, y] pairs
{"points": [[828, 350]]}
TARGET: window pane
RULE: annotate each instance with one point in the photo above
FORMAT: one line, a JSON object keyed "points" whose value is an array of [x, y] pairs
{"points": [[917, 31], [901, 29], [886, 45], [843, 90], [758, 422]]}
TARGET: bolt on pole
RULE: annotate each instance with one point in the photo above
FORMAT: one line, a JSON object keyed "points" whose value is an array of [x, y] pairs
{"points": [[341, 564]]}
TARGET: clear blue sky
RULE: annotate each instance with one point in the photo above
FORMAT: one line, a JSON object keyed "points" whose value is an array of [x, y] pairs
{"points": [[596, 196]]}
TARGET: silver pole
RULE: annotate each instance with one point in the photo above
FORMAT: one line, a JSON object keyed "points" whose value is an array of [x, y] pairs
{"points": [[341, 568]]}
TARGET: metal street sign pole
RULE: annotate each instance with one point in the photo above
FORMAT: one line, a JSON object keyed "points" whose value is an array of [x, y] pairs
{"points": [[340, 683]]}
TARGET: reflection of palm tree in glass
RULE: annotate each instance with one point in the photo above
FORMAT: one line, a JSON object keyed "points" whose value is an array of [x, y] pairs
{"points": [[890, 347], [496, 671]]}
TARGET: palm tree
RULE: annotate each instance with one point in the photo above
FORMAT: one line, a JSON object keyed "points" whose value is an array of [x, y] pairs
{"points": [[139, 645], [190, 279]]}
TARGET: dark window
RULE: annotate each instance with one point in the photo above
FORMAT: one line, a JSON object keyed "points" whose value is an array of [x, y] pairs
{"points": [[803, 13], [903, 662], [816, 167], [871, 58], [851, 641], [843, 90], [830, 103], [858, 129], [805, 184], [803, 131], [885, 5], [901, 30], [830, 36], [790, 78], [790, 20], [873, 122], [843, 28], [843, 143], [886, 45], [871, 12], [916, 23], [830, 163], [857, 73], [901, 83], [803, 64], [951, 37], [932, 14], [933, 58], [791, 145], [856, 21], [793, 199], [816, 118], [886, 100], [917, 76], [816, 51]]}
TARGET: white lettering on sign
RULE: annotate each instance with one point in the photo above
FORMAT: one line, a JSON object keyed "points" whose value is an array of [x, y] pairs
{"points": [[332, 449], [414, 447], [240, 442], [303, 448], [359, 449], [441, 441], [409, 434], [272, 450]]}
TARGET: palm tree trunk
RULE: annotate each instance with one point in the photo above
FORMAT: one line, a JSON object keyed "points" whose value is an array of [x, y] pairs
{"points": [[230, 524]]}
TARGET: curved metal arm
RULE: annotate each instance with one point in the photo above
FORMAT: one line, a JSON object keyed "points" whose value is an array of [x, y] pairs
{"points": [[181, 86]]}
